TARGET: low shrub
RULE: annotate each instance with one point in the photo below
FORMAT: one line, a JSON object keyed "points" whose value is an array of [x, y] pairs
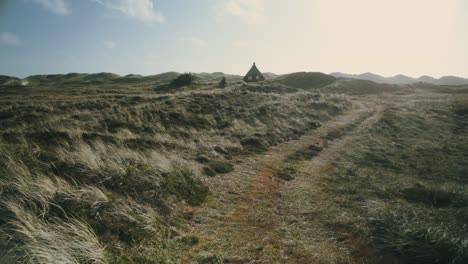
{"points": [[254, 144], [434, 197], [209, 171], [185, 187], [209, 259], [190, 240], [285, 176], [202, 159], [220, 150], [306, 154], [221, 167], [223, 83], [183, 80]]}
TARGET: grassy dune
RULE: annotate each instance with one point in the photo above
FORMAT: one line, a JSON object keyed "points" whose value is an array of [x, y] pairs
{"points": [[94, 174], [100, 168]]}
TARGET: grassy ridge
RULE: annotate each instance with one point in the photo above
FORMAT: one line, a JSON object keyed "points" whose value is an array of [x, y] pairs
{"points": [[110, 169], [109, 78], [305, 80], [95, 174]]}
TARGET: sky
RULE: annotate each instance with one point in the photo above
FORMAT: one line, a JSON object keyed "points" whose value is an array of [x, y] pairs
{"points": [[387, 37]]}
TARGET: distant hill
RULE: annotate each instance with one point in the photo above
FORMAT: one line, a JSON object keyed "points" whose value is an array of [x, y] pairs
{"points": [[96, 78], [301, 80], [427, 79], [329, 84], [111, 78], [216, 77], [270, 75], [305, 80], [136, 78], [402, 79], [71, 78], [452, 80], [360, 87], [8, 80]]}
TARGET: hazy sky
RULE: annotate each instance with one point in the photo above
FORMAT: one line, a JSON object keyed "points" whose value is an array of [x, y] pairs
{"points": [[387, 37]]}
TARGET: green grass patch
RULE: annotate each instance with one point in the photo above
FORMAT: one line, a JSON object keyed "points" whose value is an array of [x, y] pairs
{"points": [[420, 237], [185, 187], [404, 178], [189, 240]]}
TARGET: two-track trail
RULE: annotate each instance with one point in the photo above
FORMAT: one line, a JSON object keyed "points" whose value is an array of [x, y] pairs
{"points": [[244, 219]]}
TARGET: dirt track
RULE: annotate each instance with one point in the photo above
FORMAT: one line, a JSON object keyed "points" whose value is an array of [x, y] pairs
{"points": [[247, 219]]}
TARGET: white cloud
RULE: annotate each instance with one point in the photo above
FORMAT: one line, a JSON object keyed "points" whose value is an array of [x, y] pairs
{"points": [[58, 7], [143, 10], [249, 11], [110, 44], [9, 39]]}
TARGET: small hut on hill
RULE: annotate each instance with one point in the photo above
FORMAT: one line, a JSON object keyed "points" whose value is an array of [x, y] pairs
{"points": [[254, 75]]}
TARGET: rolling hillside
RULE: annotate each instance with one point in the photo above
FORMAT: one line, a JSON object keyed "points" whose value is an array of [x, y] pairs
{"points": [[303, 168], [402, 79]]}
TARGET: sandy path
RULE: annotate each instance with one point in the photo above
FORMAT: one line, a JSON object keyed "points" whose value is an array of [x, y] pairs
{"points": [[243, 220]]}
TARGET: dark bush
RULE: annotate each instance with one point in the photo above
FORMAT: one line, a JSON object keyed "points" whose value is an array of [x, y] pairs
{"points": [[220, 150], [183, 80], [185, 187], [49, 138], [314, 125], [202, 159], [11, 137], [254, 144], [6, 115], [223, 123], [209, 171], [190, 240], [90, 137], [221, 167], [306, 154], [434, 197], [285, 176], [210, 259], [223, 83]]}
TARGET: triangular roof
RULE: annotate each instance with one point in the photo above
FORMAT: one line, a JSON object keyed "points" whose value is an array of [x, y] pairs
{"points": [[254, 75]]}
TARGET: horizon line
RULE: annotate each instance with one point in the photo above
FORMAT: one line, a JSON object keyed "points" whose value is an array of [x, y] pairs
{"points": [[329, 73]]}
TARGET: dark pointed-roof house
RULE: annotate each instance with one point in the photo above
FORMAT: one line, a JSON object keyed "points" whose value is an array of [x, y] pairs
{"points": [[254, 75]]}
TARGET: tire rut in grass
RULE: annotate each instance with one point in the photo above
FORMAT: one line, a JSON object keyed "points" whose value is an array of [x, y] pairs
{"points": [[251, 232]]}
